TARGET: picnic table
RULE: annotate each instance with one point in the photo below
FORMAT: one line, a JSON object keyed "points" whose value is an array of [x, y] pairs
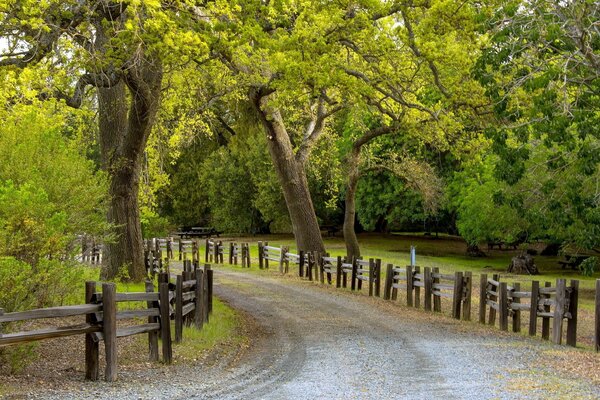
{"points": [[572, 261], [197, 231]]}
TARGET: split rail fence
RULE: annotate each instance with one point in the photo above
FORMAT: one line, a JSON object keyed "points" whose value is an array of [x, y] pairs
{"points": [[554, 305], [189, 300]]}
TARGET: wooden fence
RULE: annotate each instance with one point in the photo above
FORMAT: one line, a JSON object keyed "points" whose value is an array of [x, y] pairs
{"points": [[550, 303], [191, 293], [428, 287], [434, 286], [239, 251]]}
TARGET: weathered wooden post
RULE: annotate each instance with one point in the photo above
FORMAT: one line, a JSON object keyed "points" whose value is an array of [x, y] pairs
{"points": [[545, 318], [198, 318], [482, 297], [377, 277], [492, 316], [394, 290], [417, 289], [220, 252], [206, 250], [180, 248], [503, 305], [321, 270], [92, 363], [260, 255], [533, 310], [205, 293], [597, 317], [353, 275], [210, 289], [266, 258], [427, 285], [178, 309], [301, 263], [282, 257], [467, 289], [152, 336], [165, 322], [409, 286], [516, 299], [559, 310], [338, 272], [457, 295], [389, 277], [109, 320]]}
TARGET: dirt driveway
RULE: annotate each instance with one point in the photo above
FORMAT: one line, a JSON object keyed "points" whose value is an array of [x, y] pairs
{"points": [[316, 343]]}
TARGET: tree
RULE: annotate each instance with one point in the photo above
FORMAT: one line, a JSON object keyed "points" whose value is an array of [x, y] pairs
{"points": [[540, 70], [117, 48], [414, 81]]}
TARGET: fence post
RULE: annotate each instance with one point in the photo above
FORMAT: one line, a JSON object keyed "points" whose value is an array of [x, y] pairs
{"points": [[321, 271], [457, 295], [205, 293], [206, 250], [260, 255], [180, 247], [409, 286], [231, 247], [152, 336], [417, 289], [178, 309], [338, 272], [482, 297], [301, 263], [92, 362], [546, 320], [378, 277], [198, 319], [394, 291], [282, 250], [165, 322], [210, 289], [437, 300], [109, 319], [389, 276], [353, 274], [310, 266], [503, 305], [516, 322], [467, 289], [492, 316], [559, 310], [535, 293], [427, 284], [572, 322], [597, 317]]}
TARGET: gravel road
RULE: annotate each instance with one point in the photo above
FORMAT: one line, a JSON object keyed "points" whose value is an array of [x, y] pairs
{"points": [[325, 344]]}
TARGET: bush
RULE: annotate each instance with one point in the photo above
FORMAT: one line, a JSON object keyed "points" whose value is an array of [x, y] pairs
{"points": [[23, 287], [588, 266]]}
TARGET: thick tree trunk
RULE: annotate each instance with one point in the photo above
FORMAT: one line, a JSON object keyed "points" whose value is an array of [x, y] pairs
{"points": [[352, 246], [124, 129], [292, 179]]}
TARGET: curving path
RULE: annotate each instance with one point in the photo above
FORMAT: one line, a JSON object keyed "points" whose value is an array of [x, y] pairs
{"points": [[326, 344]]}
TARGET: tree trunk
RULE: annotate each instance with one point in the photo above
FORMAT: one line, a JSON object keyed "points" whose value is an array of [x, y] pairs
{"points": [[123, 136], [352, 246], [292, 179]]}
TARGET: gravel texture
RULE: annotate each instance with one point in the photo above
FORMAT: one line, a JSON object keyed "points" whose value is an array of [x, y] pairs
{"points": [[317, 343]]}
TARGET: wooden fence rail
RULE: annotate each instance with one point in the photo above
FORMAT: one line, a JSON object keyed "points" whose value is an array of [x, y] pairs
{"points": [[548, 303], [434, 286], [192, 300]]}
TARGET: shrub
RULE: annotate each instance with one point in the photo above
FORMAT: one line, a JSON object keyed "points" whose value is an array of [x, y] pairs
{"points": [[588, 266]]}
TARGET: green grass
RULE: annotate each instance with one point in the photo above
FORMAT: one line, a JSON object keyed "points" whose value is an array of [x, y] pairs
{"points": [[223, 329]]}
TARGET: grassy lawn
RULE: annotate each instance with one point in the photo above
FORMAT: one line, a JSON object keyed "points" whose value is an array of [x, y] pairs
{"points": [[448, 254]]}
